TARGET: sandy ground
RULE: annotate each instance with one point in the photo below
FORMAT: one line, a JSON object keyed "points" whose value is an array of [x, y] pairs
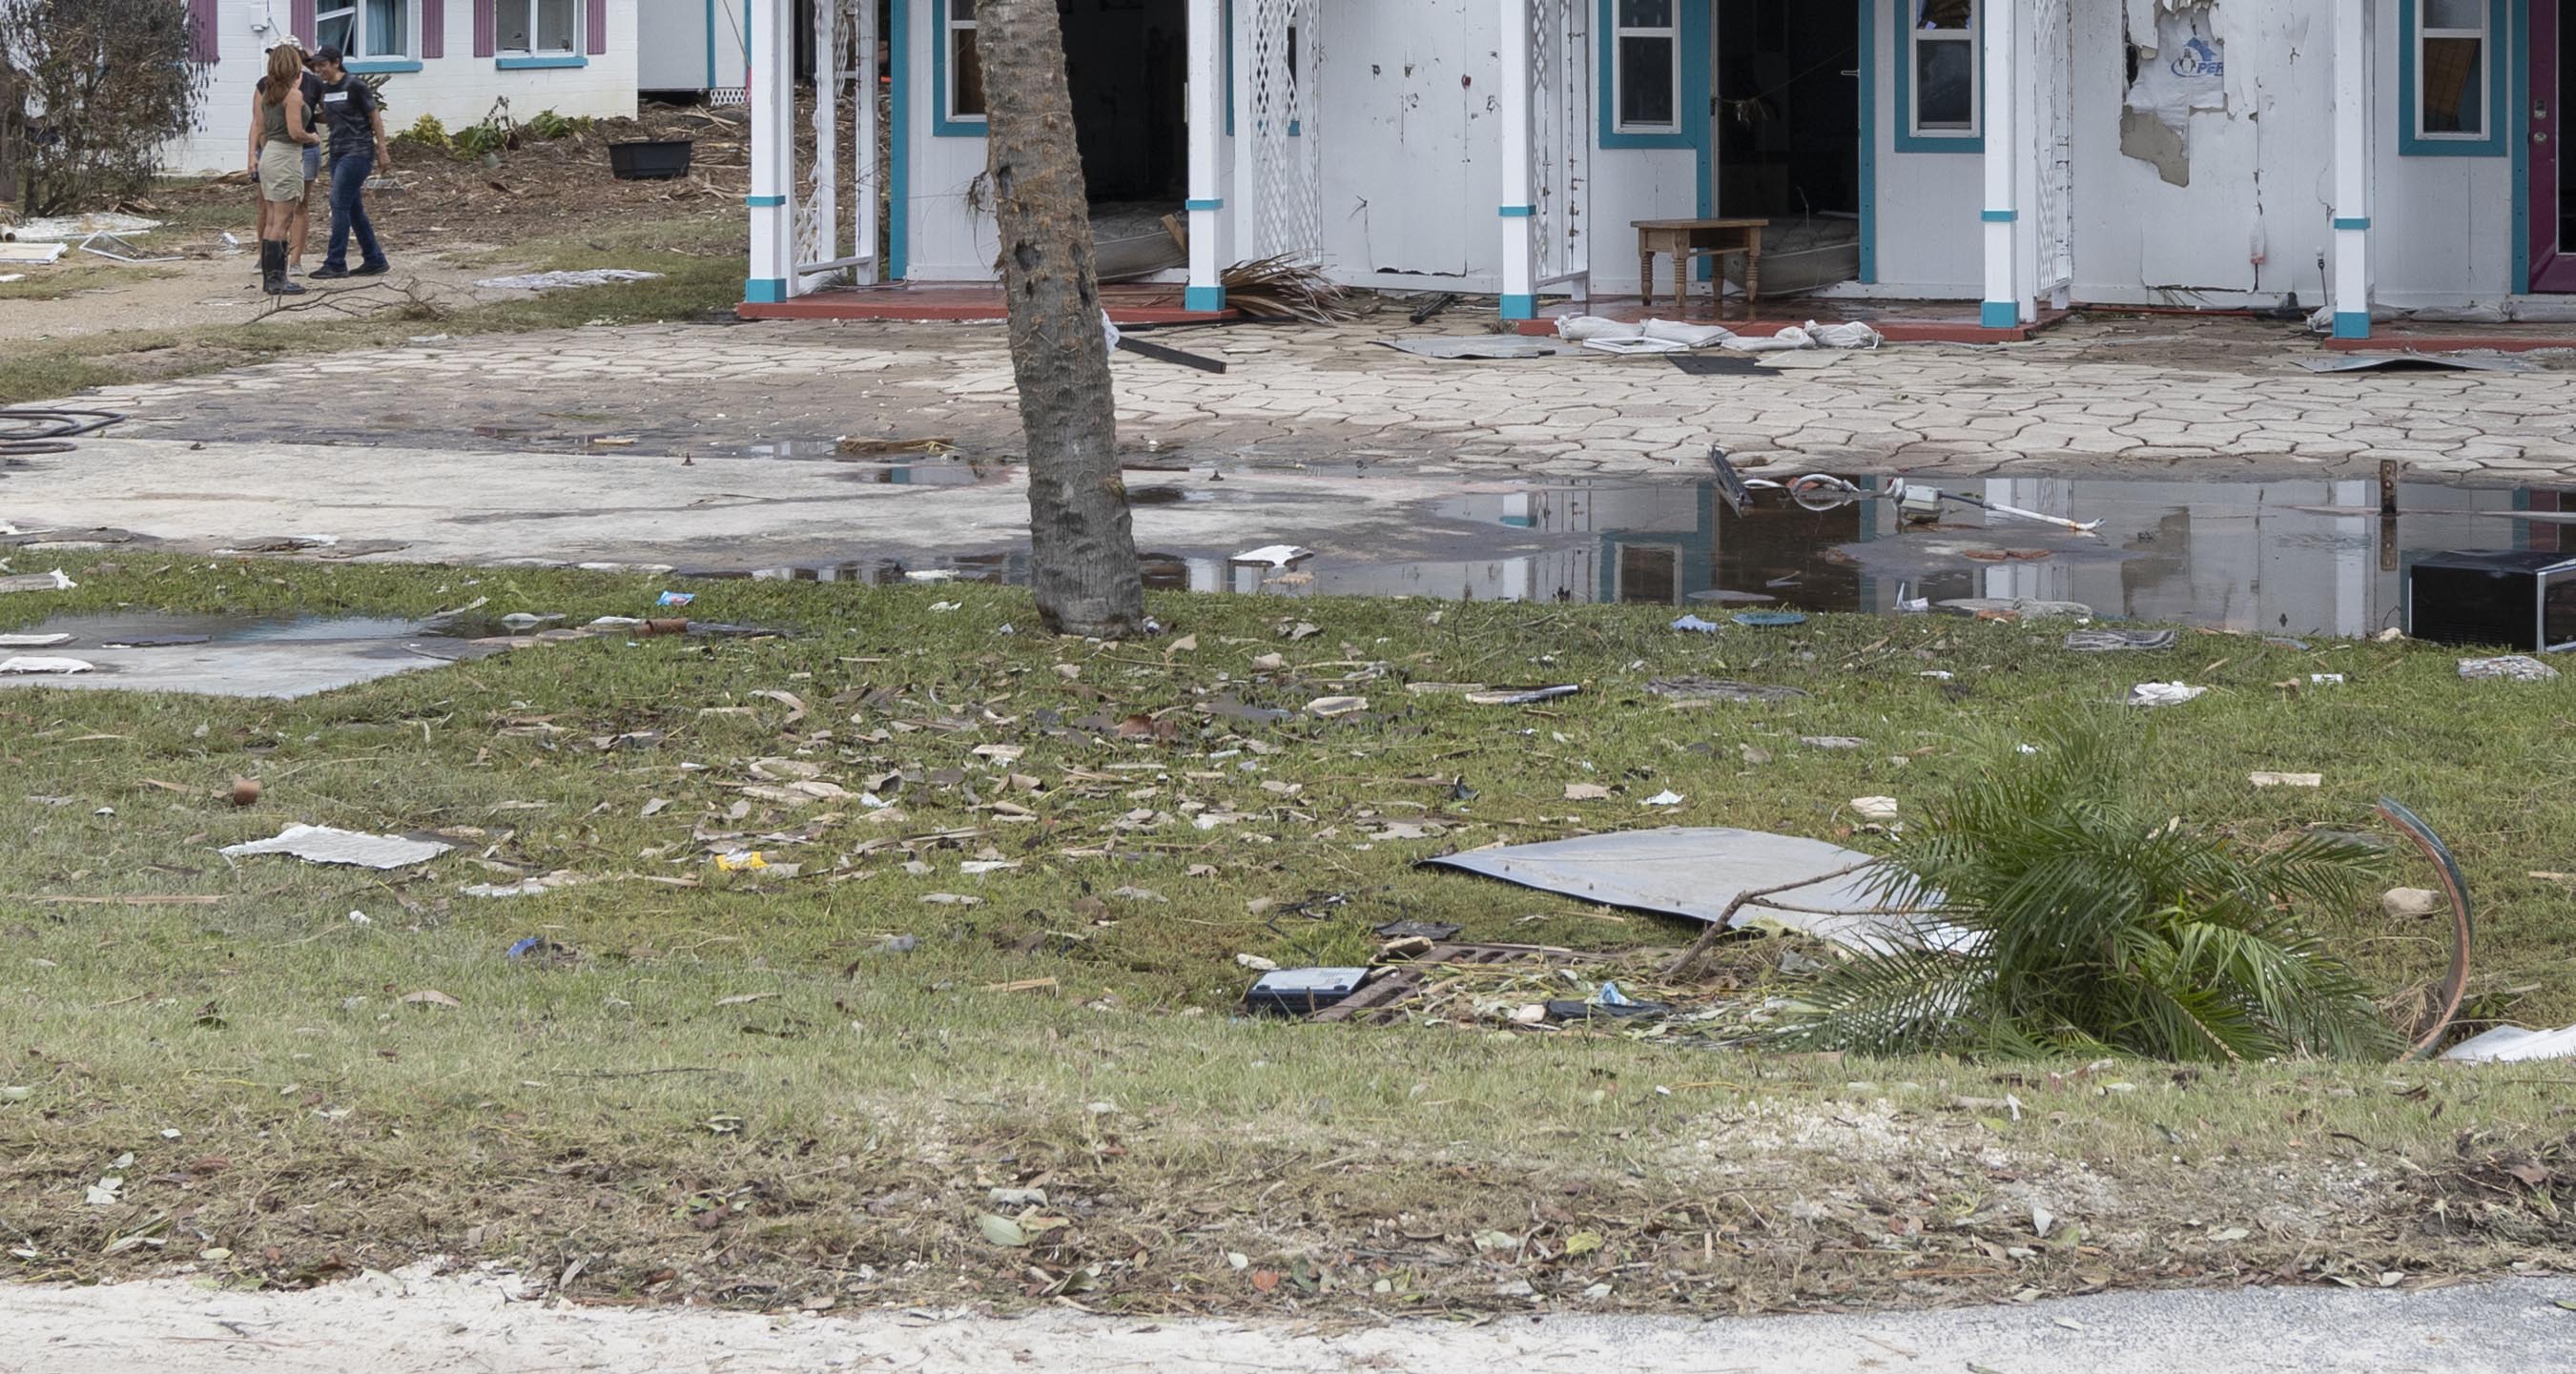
{"points": [[219, 288], [416, 1322]]}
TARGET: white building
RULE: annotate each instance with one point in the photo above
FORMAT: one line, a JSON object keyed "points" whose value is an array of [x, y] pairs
{"points": [[2018, 153], [452, 59]]}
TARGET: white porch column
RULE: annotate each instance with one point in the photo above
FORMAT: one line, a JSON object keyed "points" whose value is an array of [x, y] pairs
{"points": [[773, 150], [2002, 308], [1520, 265], [2351, 296], [863, 188], [1207, 134]]}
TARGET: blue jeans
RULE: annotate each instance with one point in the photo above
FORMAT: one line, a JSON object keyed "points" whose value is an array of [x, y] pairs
{"points": [[349, 173]]}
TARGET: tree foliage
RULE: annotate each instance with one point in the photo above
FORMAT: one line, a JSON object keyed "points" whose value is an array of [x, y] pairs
{"points": [[2095, 922], [102, 88]]}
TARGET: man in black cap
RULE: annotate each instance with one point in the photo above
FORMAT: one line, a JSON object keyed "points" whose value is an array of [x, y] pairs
{"points": [[356, 120]]}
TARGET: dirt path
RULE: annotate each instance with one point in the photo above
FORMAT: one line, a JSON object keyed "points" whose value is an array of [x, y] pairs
{"points": [[414, 1323], [222, 288]]}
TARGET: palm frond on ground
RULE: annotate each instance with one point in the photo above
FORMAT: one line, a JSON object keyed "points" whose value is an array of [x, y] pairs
{"points": [[2084, 920]]}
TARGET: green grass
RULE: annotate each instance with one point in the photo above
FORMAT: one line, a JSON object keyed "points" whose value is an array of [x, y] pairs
{"points": [[726, 1087]]}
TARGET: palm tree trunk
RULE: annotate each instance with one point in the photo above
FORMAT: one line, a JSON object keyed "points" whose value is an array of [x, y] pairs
{"points": [[1082, 547]]}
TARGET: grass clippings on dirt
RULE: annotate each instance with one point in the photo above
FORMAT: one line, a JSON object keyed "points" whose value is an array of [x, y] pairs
{"points": [[981, 1044]]}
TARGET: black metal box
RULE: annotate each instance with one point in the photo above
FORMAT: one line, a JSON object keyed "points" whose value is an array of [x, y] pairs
{"points": [[2524, 601]]}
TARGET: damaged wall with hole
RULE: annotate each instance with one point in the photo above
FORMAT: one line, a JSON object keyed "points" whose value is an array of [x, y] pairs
{"points": [[1416, 78], [2203, 162]]}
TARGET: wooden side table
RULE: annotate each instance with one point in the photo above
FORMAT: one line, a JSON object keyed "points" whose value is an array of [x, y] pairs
{"points": [[1687, 240]]}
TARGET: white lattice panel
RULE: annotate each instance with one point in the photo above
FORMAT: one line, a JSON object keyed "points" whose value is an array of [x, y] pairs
{"points": [[1287, 169], [1560, 136], [2053, 66]]}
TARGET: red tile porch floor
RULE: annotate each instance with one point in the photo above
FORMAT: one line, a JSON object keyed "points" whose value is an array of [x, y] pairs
{"points": [[1127, 303], [1899, 321]]}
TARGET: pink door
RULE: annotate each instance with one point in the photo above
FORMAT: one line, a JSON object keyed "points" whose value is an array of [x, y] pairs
{"points": [[2553, 195]]}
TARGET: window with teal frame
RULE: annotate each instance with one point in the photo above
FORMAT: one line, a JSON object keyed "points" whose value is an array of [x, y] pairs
{"points": [[956, 72], [2452, 78], [1940, 76]]}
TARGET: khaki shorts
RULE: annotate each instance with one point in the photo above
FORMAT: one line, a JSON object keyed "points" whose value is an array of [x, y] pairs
{"points": [[281, 172]]}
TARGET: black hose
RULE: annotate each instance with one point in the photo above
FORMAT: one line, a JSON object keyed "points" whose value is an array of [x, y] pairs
{"points": [[27, 431]]}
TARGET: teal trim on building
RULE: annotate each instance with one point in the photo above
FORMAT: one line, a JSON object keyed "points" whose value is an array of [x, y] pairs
{"points": [[941, 126], [2352, 324], [711, 44], [2500, 47], [1218, 204], [1520, 307], [1908, 141], [1868, 65], [548, 62], [1998, 315], [1998, 216], [374, 66], [1517, 211], [765, 291], [1207, 298], [2520, 140], [760, 202], [899, 172], [2352, 222]]}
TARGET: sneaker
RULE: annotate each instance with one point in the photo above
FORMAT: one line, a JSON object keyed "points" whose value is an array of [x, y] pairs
{"points": [[372, 269], [326, 272], [295, 269]]}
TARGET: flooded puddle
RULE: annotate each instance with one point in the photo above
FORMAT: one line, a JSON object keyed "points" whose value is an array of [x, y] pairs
{"points": [[2276, 557]]}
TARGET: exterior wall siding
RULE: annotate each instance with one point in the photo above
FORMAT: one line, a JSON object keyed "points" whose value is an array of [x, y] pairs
{"points": [[457, 88]]}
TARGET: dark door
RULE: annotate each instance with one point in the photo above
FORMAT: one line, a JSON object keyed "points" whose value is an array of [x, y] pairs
{"points": [[2553, 195]]}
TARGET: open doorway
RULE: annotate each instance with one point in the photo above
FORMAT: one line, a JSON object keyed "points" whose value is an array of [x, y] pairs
{"points": [[1786, 134], [1127, 62]]}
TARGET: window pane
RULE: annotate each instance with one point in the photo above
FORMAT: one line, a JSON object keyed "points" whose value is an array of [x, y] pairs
{"points": [[554, 25], [966, 88], [1944, 14], [2455, 14], [1945, 85], [388, 28], [1650, 575], [510, 24], [332, 31], [961, 11], [1646, 82], [2452, 103], [1646, 14]]}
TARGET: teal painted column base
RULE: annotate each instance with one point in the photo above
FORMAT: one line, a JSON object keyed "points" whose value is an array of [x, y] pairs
{"points": [[760, 291], [2352, 324], [1520, 307], [1999, 315], [1207, 298]]}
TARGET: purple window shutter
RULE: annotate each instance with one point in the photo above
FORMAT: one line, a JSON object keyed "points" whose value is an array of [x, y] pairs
{"points": [[299, 21], [433, 29], [485, 41], [204, 43], [598, 27]]}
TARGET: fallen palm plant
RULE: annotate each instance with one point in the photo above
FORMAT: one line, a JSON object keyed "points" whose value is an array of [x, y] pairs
{"points": [[1283, 288], [2072, 917]]}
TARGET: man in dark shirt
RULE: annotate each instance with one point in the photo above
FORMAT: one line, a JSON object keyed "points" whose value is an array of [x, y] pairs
{"points": [[356, 121]]}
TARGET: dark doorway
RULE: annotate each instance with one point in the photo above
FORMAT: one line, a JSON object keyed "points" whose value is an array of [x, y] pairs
{"points": [[1127, 61], [1786, 133]]}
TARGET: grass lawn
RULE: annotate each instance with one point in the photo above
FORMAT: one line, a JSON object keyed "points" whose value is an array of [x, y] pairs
{"points": [[745, 1088]]}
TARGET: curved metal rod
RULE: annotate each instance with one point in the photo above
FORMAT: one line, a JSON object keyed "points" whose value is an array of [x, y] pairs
{"points": [[2455, 983]]}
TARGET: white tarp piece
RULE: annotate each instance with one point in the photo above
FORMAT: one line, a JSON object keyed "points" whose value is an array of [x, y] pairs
{"points": [[2513, 1044], [2185, 70], [44, 665], [1664, 336], [317, 844], [1697, 873], [549, 281], [63, 228]]}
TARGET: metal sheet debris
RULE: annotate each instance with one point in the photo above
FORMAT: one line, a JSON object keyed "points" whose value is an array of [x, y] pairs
{"points": [[2114, 641], [2514, 1044], [551, 281], [2413, 362], [2512, 667], [32, 665], [323, 845], [54, 581], [1480, 347], [1698, 873]]}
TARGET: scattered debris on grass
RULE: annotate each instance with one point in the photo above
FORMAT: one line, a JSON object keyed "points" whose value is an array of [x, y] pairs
{"points": [[324, 845]]}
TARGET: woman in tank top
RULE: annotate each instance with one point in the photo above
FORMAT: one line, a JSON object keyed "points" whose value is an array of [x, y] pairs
{"points": [[278, 136]]}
